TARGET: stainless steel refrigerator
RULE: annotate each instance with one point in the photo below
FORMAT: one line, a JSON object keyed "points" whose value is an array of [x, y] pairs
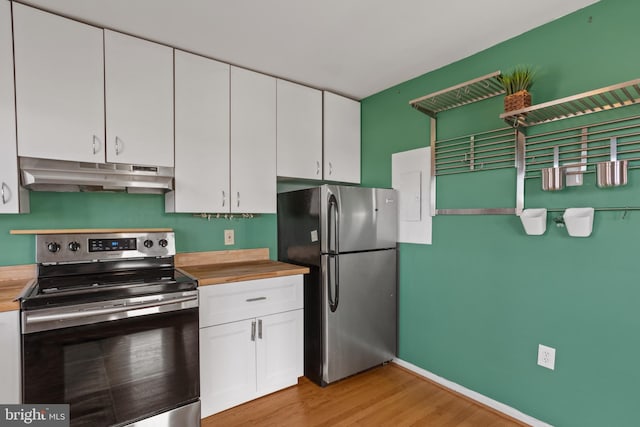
{"points": [[347, 237]]}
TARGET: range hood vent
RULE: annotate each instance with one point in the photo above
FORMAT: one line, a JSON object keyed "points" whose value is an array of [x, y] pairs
{"points": [[61, 175]]}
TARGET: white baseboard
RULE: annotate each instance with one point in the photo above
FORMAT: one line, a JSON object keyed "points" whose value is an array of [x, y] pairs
{"points": [[487, 401]]}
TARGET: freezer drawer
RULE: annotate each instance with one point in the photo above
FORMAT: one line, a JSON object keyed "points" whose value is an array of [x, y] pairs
{"points": [[361, 332]]}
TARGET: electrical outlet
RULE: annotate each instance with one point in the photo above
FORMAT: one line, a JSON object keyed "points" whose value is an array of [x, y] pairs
{"points": [[546, 357], [229, 238]]}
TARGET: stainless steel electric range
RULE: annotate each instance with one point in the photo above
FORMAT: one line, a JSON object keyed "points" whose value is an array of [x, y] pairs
{"points": [[110, 327]]}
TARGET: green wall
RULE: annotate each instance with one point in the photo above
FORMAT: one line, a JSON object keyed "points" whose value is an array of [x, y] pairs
{"points": [[122, 210], [475, 305]]}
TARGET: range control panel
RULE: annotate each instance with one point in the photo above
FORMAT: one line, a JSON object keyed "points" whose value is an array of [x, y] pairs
{"points": [[102, 245], [54, 248]]}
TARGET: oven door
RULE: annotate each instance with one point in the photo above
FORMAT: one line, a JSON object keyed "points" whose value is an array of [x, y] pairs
{"points": [[114, 372]]}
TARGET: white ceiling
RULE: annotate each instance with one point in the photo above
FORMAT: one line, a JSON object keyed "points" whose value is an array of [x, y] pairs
{"points": [[353, 47]]}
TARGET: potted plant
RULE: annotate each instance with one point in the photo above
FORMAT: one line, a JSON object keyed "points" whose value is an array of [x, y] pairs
{"points": [[517, 83]]}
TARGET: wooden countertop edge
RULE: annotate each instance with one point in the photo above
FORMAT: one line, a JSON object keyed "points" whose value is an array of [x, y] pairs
{"points": [[13, 280], [91, 230], [209, 258], [217, 274], [10, 290]]}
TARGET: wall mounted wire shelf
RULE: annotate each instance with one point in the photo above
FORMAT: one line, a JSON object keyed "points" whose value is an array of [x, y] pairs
{"points": [[468, 92], [606, 98]]}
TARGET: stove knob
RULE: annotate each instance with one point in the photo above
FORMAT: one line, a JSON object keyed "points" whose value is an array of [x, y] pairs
{"points": [[163, 243], [74, 246], [53, 247], [148, 243]]}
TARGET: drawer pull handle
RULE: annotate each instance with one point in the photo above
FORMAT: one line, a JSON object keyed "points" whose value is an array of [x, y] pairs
{"points": [[256, 299]]}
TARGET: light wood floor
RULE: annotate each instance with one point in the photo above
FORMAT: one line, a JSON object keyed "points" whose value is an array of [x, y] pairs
{"points": [[384, 396]]}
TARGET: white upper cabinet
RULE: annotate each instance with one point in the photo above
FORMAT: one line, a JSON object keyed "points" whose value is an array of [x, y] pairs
{"points": [[202, 135], [341, 139], [139, 100], [253, 142], [59, 86], [299, 130], [10, 192]]}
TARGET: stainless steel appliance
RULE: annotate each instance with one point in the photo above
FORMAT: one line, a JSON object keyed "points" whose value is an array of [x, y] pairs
{"points": [[347, 237], [63, 175], [110, 327]]}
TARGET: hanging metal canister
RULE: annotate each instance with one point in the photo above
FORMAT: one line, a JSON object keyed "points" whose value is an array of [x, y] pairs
{"points": [[614, 172]]}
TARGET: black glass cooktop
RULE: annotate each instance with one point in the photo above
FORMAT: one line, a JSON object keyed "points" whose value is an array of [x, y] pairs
{"points": [[78, 289]]}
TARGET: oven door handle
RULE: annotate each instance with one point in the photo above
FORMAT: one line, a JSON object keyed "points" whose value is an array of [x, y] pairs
{"points": [[33, 318]]}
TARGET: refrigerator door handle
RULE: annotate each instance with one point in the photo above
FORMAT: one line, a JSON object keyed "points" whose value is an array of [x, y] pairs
{"points": [[333, 295], [333, 225], [337, 284]]}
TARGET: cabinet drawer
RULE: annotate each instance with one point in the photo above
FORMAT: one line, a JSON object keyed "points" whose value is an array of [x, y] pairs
{"points": [[253, 298]]}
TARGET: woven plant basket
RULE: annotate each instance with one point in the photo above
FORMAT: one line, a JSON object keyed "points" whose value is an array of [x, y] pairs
{"points": [[517, 101]]}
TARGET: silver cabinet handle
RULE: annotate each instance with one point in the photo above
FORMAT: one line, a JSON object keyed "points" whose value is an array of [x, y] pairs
{"points": [[5, 191], [330, 168], [96, 144], [224, 198], [260, 328], [118, 146], [256, 299], [317, 167], [253, 330], [238, 199]]}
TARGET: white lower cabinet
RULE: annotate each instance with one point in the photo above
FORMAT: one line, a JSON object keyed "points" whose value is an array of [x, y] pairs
{"points": [[227, 366], [10, 357], [243, 355], [279, 352]]}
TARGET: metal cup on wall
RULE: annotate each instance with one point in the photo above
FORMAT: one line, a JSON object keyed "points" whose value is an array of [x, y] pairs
{"points": [[614, 172], [553, 178]]}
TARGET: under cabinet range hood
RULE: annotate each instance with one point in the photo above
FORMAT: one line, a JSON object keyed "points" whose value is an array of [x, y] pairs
{"points": [[62, 175]]}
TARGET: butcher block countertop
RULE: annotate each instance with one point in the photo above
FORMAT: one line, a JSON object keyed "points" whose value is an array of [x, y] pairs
{"points": [[13, 280], [210, 268], [214, 268]]}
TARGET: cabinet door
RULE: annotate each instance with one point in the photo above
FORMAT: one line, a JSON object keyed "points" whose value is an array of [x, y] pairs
{"points": [[10, 356], [253, 142], [202, 135], [59, 87], [279, 351], [341, 139], [299, 130], [139, 100], [9, 187], [227, 366]]}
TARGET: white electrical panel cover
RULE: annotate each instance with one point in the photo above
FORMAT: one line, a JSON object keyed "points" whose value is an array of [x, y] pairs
{"points": [[411, 177]]}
